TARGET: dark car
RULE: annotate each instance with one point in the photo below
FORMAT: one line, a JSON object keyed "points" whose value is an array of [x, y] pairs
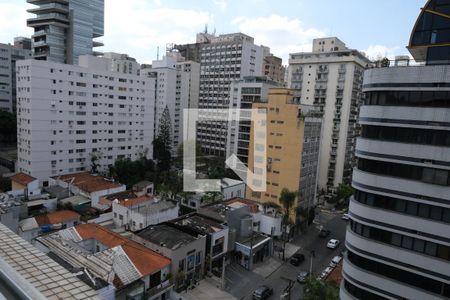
{"points": [[263, 292], [324, 232], [297, 259], [302, 276]]}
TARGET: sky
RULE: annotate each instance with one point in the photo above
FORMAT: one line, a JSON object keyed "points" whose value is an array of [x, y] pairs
{"points": [[139, 27]]}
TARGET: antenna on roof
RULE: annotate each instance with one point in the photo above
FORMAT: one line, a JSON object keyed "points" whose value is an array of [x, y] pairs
{"points": [[206, 28], [214, 32], [157, 53]]}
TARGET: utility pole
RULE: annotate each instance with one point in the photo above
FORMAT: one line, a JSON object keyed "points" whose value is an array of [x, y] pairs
{"points": [[312, 253], [289, 287]]}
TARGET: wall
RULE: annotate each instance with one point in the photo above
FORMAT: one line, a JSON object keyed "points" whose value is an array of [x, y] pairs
{"points": [[230, 192]]}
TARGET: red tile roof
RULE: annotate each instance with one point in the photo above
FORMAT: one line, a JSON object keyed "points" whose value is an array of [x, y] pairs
{"points": [[57, 217], [134, 201], [88, 182], [144, 259], [22, 178]]}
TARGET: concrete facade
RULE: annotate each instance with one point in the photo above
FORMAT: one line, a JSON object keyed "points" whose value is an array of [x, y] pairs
{"points": [[331, 77], [176, 87], [9, 55], [68, 113]]}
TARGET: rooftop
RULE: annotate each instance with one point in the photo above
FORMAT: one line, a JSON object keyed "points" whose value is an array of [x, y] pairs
{"points": [[7, 201], [218, 211], [123, 262], [166, 236], [254, 240], [75, 200], [141, 184], [88, 182], [227, 182], [150, 207], [200, 224], [39, 271], [22, 178], [57, 217]]}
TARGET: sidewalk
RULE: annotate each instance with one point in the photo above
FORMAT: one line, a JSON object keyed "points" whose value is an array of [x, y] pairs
{"points": [[206, 290]]}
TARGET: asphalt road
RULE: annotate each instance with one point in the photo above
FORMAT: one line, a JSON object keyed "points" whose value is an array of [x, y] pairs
{"points": [[278, 280]]}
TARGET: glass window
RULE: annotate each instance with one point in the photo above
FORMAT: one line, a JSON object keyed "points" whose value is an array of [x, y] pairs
{"points": [[430, 248], [424, 210], [436, 213], [407, 242], [400, 205], [411, 208], [419, 245], [396, 239]]}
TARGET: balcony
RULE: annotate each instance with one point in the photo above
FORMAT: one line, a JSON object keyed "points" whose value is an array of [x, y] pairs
{"points": [[45, 19], [49, 7], [159, 289]]}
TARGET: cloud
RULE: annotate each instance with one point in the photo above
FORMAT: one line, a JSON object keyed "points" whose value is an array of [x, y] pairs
{"points": [[13, 18], [142, 27], [379, 51], [222, 4], [282, 34]]}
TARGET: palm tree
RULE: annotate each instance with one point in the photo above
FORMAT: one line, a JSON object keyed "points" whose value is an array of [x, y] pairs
{"points": [[287, 200]]}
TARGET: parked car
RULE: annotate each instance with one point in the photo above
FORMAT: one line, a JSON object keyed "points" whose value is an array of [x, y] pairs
{"points": [[335, 261], [333, 243], [345, 217], [324, 232], [324, 273], [302, 276], [297, 259], [263, 292]]}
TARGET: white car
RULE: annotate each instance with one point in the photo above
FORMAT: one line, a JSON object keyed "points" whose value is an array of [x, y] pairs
{"points": [[324, 273], [333, 243], [345, 217], [335, 261]]}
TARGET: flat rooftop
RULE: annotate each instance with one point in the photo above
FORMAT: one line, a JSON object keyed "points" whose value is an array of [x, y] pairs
{"points": [[200, 224], [166, 236]]}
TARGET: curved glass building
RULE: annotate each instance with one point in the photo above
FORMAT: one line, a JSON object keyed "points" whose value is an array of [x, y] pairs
{"points": [[398, 238]]}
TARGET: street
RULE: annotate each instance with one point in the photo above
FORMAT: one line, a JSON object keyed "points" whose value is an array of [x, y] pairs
{"points": [[242, 283]]}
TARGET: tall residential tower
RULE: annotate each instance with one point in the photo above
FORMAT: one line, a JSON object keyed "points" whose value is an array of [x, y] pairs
{"points": [[65, 29], [331, 76], [398, 240]]}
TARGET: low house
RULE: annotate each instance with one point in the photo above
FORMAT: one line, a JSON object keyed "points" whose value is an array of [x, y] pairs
{"points": [[77, 202], [110, 262], [231, 188], [88, 185], [25, 184], [30, 228], [144, 188], [12, 209], [140, 212], [186, 249], [216, 238], [251, 228]]}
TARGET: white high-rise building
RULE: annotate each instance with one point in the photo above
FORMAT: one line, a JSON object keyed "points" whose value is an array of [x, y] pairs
{"points": [[9, 55], [398, 239], [176, 87], [66, 113], [224, 59], [122, 63], [331, 76]]}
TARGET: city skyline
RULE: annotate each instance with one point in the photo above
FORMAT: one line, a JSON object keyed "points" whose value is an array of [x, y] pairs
{"points": [[287, 28]]}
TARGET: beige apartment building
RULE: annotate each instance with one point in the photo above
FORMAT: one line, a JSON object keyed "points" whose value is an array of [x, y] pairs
{"points": [[293, 137]]}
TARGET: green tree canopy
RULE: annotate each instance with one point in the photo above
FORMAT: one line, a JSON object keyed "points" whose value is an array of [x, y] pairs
{"points": [[317, 290], [131, 172], [8, 127], [162, 144]]}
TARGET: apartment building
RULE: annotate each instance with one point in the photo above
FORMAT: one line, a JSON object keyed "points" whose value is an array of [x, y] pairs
{"points": [[243, 93], [176, 88], [64, 30], [9, 55], [67, 114], [398, 240], [331, 76], [122, 63], [223, 59], [293, 133], [273, 67]]}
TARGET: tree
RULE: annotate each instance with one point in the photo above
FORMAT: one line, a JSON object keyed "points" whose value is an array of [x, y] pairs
{"points": [[95, 156], [287, 200], [171, 185], [131, 172], [344, 191], [8, 127], [317, 290], [211, 197], [162, 145], [5, 184]]}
